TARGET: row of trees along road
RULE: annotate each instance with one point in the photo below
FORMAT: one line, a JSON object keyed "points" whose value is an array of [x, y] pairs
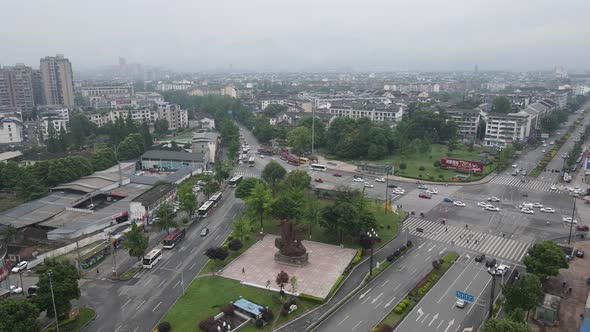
{"points": [[285, 196], [22, 314]]}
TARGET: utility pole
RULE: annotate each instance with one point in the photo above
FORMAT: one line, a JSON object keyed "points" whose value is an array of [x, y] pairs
{"points": [[53, 300], [492, 272], [569, 238], [79, 260], [386, 192], [373, 237], [312, 129]]}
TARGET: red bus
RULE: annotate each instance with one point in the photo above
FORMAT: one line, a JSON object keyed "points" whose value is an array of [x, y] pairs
{"points": [[293, 160], [173, 238]]}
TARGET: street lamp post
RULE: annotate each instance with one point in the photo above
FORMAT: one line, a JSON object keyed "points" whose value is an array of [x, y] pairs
{"points": [[386, 193], [492, 272], [53, 300], [373, 237], [114, 272], [569, 238]]}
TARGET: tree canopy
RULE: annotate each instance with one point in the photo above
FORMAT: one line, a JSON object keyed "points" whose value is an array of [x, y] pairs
{"points": [[524, 293], [504, 325], [245, 187], [296, 180], [288, 205], [259, 202], [272, 173], [64, 280], [17, 315], [545, 259], [299, 139], [502, 105], [136, 242], [165, 217]]}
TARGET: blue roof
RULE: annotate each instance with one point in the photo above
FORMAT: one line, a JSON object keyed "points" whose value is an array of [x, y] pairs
{"points": [[585, 325], [248, 306]]}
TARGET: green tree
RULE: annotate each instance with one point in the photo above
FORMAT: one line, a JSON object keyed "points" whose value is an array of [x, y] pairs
{"points": [[259, 202], [299, 139], [222, 170], [452, 145], [136, 242], [504, 325], [19, 316], [272, 173], [320, 129], [240, 227], [144, 131], [296, 180], [187, 201], [424, 146], [11, 173], [525, 293], [245, 187], [165, 217], [52, 137], [339, 218], [545, 259], [312, 213], [160, 127], [210, 188], [131, 147], [288, 205], [274, 109], [64, 279], [502, 105], [103, 158]]}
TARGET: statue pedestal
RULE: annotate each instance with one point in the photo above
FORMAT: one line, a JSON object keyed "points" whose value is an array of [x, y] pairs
{"points": [[297, 261]]}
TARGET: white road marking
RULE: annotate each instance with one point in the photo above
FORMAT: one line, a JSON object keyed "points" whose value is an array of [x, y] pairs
{"points": [[420, 313], [389, 303], [178, 266], [139, 306], [450, 323], [365, 293], [157, 305], [126, 303], [163, 281], [342, 321], [136, 328], [435, 317], [365, 301], [426, 316], [377, 298], [385, 283], [439, 324], [357, 325], [191, 267], [118, 328]]}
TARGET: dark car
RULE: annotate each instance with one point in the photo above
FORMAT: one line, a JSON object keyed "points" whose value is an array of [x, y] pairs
{"points": [[491, 262], [480, 258], [392, 186], [357, 176], [338, 175], [427, 196], [318, 180]]}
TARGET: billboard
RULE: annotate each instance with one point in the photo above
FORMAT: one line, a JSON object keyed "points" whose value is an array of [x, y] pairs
{"points": [[461, 165]]}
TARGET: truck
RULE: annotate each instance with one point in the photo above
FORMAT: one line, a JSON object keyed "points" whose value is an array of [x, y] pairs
{"points": [[265, 151]]}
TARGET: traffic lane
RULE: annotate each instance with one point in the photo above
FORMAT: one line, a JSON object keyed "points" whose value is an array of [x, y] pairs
{"points": [[134, 307], [411, 200], [376, 300], [437, 311]]}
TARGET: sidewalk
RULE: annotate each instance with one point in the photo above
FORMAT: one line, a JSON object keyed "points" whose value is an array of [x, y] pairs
{"points": [[354, 279]]}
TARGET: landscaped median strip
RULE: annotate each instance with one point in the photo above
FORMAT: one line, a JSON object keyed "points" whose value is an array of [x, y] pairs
{"points": [[417, 293]]}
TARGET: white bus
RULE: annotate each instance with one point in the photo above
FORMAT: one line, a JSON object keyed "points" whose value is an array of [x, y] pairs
{"points": [[205, 209], [152, 258], [233, 182], [216, 198], [251, 161], [318, 167]]}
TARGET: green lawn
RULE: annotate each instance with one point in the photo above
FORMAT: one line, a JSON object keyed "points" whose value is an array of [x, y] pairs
{"points": [[86, 315], [212, 265], [206, 295], [319, 234]]}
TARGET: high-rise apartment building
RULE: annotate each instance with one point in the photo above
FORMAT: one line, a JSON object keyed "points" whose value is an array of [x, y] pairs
{"points": [[57, 80], [16, 89], [38, 87]]}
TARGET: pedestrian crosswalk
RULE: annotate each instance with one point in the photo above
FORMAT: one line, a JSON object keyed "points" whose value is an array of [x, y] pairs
{"points": [[247, 172], [488, 244], [516, 181]]}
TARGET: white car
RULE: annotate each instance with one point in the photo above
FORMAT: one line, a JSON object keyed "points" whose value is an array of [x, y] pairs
{"points": [[21, 266], [380, 180], [483, 204], [527, 211], [358, 180], [568, 220], [15, 290], [514, 165], [543, 150], [398, 191], [493, 199], [553, 188], [461, 304], [493, 208], [261, 156], [458, 203], [537, 205], [547, 209], [502, 269], [431, 192], [545, 145], [368, 185]]}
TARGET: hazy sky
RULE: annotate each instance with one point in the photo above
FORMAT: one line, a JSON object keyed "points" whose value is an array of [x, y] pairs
{"points": [[299, 35]]}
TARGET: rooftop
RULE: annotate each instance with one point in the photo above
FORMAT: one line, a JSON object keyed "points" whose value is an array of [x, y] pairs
{"points": [[248, 306], [151, 196], [173, 155]]}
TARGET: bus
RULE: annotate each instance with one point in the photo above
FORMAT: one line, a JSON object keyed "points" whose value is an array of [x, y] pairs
{"points": [[152, 258], [204, 210], [95, 255], [173, 238], [265, 151], [216, 198], [251, 161], [318, 167], [233, 182], [293, 160], [303, 160]]}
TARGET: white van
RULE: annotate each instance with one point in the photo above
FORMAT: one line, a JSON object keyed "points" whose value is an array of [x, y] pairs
{"points": [[526, 205]]}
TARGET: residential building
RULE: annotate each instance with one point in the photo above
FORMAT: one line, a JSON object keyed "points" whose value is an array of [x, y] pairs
{"points": [[11, 131], [16, 88], [229, 90], [57, 81], [173, 160], [581, 89], [144, 206], [379, 112], [108, 90], [204, 91], [153, 97], [139, 115], [207, 123], [177, 118], [37, 81], [206, 143], [504, 129], [467, 121], [174, 85], [57, 122]]}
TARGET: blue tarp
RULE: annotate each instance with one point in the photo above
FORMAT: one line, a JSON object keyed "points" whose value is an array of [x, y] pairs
{"points": [[249, 307], [585, 325]]}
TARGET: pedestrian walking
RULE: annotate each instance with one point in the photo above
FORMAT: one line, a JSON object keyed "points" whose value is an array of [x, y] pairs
{"points": [[569, 290], [96, 271], [475, 241], [563, 284], [243, 271], [446, 229]]}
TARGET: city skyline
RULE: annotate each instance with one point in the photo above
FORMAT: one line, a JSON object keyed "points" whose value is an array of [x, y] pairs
{"points": [[373, 36]]}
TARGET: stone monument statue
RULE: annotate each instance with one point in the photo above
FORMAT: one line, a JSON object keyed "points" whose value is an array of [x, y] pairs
{"points": [[291, 251]]}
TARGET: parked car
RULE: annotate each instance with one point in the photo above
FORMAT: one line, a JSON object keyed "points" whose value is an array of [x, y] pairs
{"points": [[483, 204], [493, 199], [527, 211], [368, 185], [491, 262], [431, 192], [493, 208], [357, 177], [380, 179], [338, 175], [502, 269], [358, 180], [424, 195], [537, 205], [514, 165], [32, 291], [21, 266], [458, 203], [480, 258], [547, 209], [422, 186], [391, 185], [553, 188], [15, 290], [447, 200], [318, 180], [580, 253], [398, 191]]}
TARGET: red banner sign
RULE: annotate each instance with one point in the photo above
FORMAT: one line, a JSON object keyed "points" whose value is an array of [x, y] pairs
{"points": [[461, 165]]}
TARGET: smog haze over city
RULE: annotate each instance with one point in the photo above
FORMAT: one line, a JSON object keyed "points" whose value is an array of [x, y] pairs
{"points": [[267, 35]]}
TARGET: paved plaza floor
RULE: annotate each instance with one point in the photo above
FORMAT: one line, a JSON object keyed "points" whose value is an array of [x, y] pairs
{"points": [[326, 264]]}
